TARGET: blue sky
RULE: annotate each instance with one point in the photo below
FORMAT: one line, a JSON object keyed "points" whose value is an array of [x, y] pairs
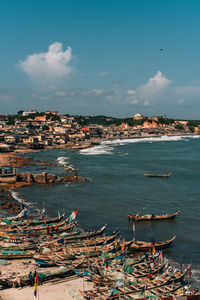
{"points": [[100, 57]]}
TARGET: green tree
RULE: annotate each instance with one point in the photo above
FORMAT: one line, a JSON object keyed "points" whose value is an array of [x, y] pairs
{"points": [[179, 126], [45, 127]]}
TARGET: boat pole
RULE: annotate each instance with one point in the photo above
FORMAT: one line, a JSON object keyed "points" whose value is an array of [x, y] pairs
{"points": [[134, 235], [83, 281]]}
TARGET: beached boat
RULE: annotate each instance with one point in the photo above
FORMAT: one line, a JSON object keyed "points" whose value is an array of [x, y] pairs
{"points": [[34, 222], [137, 218], [92, 242], [31, 232], [143, 269], [157, 175], [42, 277], [145, 246], [132, 285], [13, 254], [83, 236]]}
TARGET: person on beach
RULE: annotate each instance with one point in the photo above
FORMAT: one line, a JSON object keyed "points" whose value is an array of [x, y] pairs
{"points": [[34, 275], [30, 278], [48, 229]]}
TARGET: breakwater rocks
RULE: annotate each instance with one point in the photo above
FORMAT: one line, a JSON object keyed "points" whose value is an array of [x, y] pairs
{"points": [[14, 160], [28, 179]]}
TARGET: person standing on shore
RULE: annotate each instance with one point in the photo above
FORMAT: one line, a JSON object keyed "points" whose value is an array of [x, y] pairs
{"points": [[48, 229], [30, 278]]}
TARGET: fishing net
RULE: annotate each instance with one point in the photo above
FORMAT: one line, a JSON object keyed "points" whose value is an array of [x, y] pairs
{"points": [[106, 255], [113, 291], [4, 262], [12, 252], [6, 221], [128, 268], [119, 283]]}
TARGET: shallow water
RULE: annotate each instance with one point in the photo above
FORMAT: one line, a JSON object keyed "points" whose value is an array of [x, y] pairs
{"points": [[118, 187]]}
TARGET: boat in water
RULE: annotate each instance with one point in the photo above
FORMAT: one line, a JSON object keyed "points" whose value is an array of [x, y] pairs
{"points": [[157, 175], [152, 217]]}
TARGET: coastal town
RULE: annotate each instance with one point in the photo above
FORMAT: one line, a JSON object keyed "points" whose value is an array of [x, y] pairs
{"points": [[45, 130], [84, 264]]}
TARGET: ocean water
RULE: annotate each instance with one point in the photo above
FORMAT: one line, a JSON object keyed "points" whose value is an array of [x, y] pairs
{"points": [[118, 187]]}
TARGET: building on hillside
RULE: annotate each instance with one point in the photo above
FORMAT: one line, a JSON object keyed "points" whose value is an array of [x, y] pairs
{"points": [[138, 116], [147, 124], [29, 112], [181, 122], [53, 112], [40, 118]]}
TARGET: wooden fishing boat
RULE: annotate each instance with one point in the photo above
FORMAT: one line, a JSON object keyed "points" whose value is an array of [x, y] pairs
{"points": [[42, 227], [145, 246], [157, 175], [134, 286], [166, 290], [34, 222], [89, 234], [12, 254], [137, 218], [31, 232], [92, 242], [25, 242], [43, 277], [81, 252], [143, 269], [44, 263]]}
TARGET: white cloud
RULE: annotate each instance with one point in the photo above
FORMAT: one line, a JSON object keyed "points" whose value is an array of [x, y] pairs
{"points": [[90, 93], [152, 88], [60, 93], [80, 93], [103, 74], [188, 90], [131, 92], [146, 103], [181, 101], [5, 97], [49, 66], [155, 85]]}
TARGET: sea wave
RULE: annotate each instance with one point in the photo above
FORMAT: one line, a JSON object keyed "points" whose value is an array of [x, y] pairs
{"points": [[97, 150], [63, 160], [21, 200], [107, 147], [17, 197], [164, 138]]}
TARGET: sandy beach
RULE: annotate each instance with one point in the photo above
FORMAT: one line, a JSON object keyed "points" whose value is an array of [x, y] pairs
{"points": [[65, 290]]}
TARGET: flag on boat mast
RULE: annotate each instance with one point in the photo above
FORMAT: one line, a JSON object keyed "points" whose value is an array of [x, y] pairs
{"points": [[72, 217], [35, 285], [43, 209]]}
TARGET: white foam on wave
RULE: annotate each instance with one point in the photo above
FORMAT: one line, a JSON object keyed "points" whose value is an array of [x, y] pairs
{"points": [[21, 200], [17, 197], [97, 150], [124, 154], [164, 138], [105, 146], [62, 160]]}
